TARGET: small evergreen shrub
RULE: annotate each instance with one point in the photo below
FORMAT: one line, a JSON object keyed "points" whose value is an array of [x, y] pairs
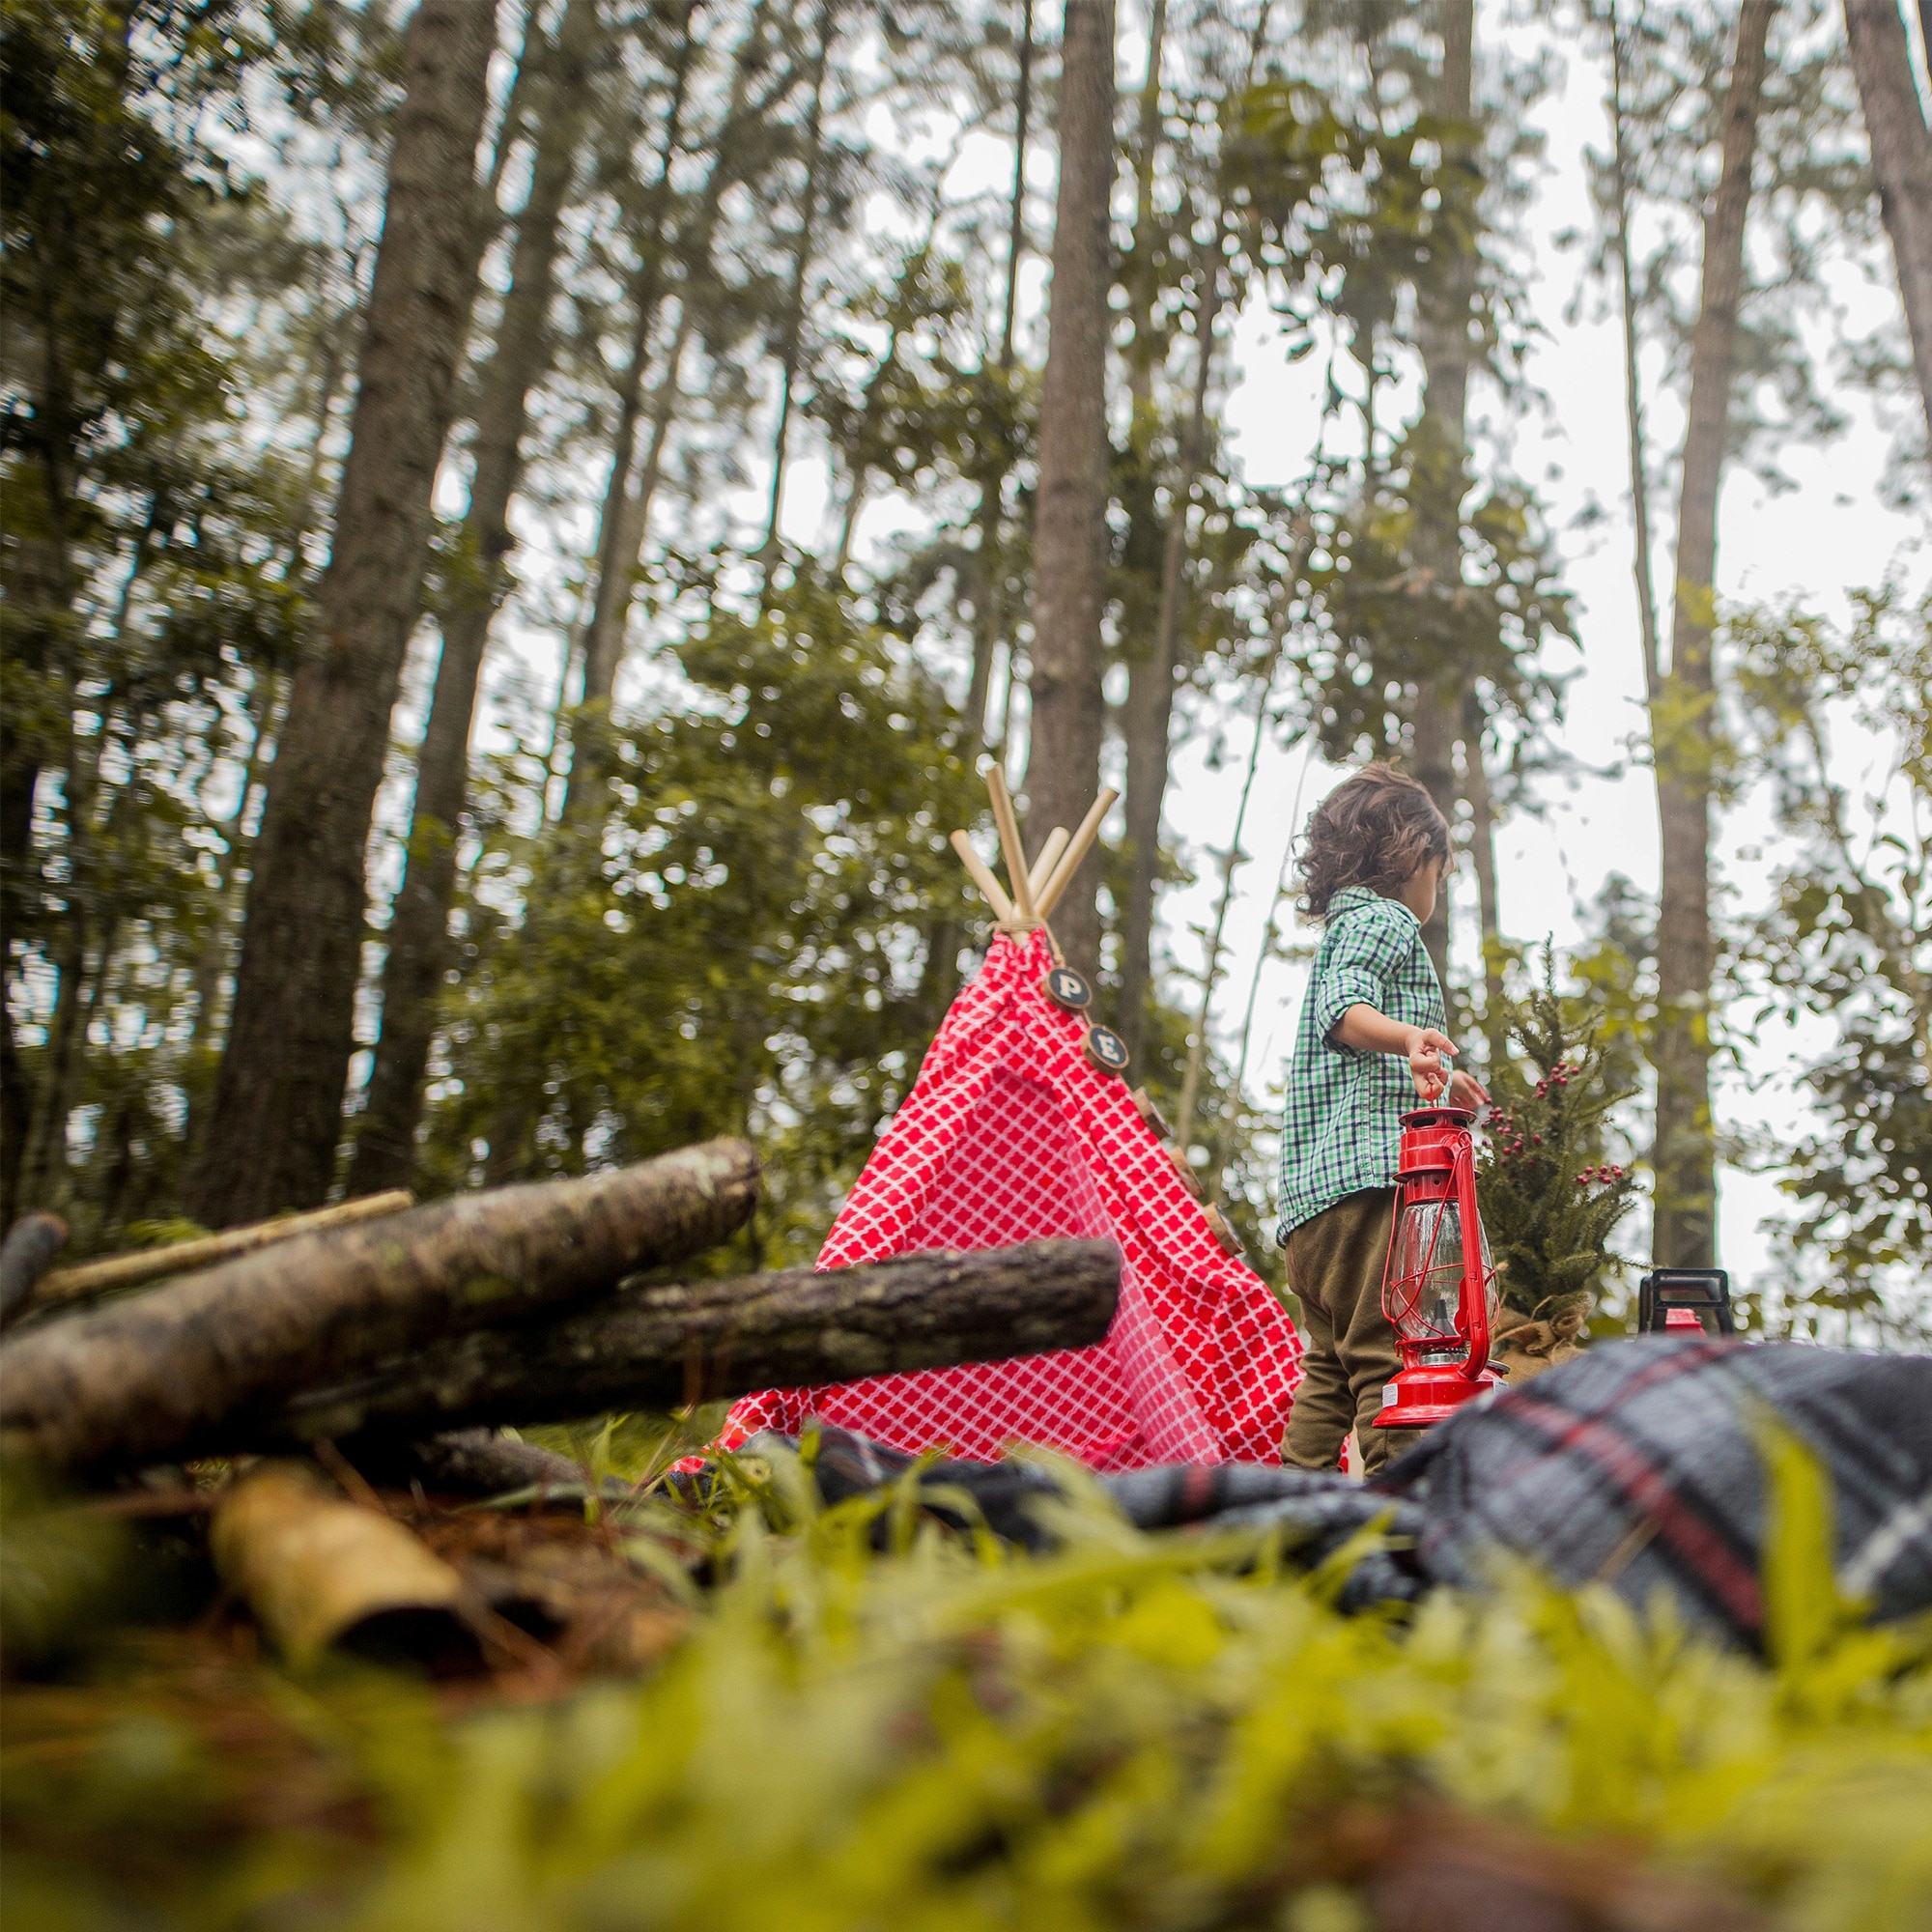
{"points": [[1550, 1193]]}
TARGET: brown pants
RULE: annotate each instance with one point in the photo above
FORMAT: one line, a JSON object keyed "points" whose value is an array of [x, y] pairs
{"points": [[1335, 1266]]}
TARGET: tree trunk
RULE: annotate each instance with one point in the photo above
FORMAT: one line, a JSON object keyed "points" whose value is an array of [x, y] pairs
{"points": [[1633, 436], [279, 1100], [1483, 856], [140, 1378], [617, 524], [418, 946], [1684, 1156], [1071, 526], [1901, 154], [1148, 551], [801, 269], [990, 588], [1148, 722], [1442, 444], [667, 1347]]}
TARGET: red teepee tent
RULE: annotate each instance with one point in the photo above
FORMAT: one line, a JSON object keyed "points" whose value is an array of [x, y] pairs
{"points": [[1011, 1134]]}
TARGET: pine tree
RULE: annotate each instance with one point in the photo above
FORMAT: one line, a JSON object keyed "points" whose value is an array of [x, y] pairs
{"points": [[1550, 1197]]}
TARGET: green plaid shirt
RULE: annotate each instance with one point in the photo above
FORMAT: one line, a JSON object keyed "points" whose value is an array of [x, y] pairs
{"points": [[1343, 1122]]}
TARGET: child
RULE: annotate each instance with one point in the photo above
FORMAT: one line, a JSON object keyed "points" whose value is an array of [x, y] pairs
{"points": [[1371, 1041]]}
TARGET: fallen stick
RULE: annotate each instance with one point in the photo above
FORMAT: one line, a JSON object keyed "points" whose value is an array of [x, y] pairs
{"points": [[133, 1381], [664, 1347], [32, 1242], [146, 1264], [480, 1462]]}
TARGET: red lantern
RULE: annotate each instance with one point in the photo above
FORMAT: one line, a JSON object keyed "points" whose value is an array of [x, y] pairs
{"points": [[1439, 1287]]}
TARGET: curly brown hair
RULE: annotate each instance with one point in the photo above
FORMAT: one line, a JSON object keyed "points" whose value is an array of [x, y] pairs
{"points": [[1379, 828]]}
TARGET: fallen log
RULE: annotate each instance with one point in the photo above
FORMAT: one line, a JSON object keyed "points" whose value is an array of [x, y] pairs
{"points": [[315, 1569], [664, 1347], [114, 1272], [139, 1378], [32, 1242]]}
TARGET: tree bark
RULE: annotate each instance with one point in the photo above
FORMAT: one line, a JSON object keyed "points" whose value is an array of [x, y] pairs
{"points": [[1070, 528], [1483, 856], [277, 1115], [801, 269], [1684, 1155], [618, 527], [1150, 552], [26, 1256], [1901, 154], [114, 1274], [1149, 722], [990, 568], [1441, 443], [667, 1347], [164, 1370], [1633, 436], [418, 936], [478, 1463]]}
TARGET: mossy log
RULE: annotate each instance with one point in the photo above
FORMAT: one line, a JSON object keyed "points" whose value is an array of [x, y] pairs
{"points": [[164, 1373], [664, 1347]]}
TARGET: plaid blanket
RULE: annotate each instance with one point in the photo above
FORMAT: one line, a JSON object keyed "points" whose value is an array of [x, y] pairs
{"points": [[1638, 1465]]}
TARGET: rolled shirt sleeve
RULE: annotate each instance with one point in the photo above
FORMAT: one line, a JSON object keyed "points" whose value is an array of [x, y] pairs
{"points": [[1366, 947], [1342, 1105]]}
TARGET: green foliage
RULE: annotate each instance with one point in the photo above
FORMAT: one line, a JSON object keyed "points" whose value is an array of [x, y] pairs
{"points": [[753, 927], [1550, 1197], [1848, 937], [63, 1569], [153, 564], [875, 1721]]}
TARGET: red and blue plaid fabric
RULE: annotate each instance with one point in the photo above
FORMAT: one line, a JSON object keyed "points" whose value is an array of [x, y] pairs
{"points": [[1009, 1135]]}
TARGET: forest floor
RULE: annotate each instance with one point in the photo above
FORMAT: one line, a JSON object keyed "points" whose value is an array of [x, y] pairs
{"points": [[758, 1712]]}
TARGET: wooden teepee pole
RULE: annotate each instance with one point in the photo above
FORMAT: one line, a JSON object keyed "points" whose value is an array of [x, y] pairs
{"points": [[1077, 848], [1049, 856], [981, 876], [1017, 874]]}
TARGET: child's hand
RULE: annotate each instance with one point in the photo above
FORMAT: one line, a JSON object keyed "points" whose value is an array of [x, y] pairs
{"points": [[1467, 1090], [1426, 1048]]}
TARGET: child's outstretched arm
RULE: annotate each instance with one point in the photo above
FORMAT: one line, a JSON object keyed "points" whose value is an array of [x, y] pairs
{"points": [[1370, 1031]]}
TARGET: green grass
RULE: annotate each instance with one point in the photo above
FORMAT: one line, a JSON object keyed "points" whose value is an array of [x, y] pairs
{"points": [[1158, 1731]]}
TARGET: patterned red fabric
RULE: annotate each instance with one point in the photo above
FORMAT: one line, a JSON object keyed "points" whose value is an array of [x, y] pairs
{"points": [[1009, 1135]]}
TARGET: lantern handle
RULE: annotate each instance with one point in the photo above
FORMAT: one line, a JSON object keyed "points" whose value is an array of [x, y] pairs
{"points": [[1475, 1280]]}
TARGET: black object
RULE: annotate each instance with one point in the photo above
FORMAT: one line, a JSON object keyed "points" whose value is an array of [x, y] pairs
{"points": [[1067, 990], [1105, 1049], [1705, 1291]]}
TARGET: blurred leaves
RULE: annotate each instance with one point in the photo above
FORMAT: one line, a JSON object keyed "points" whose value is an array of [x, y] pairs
{"points": [[874, 1717]]}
